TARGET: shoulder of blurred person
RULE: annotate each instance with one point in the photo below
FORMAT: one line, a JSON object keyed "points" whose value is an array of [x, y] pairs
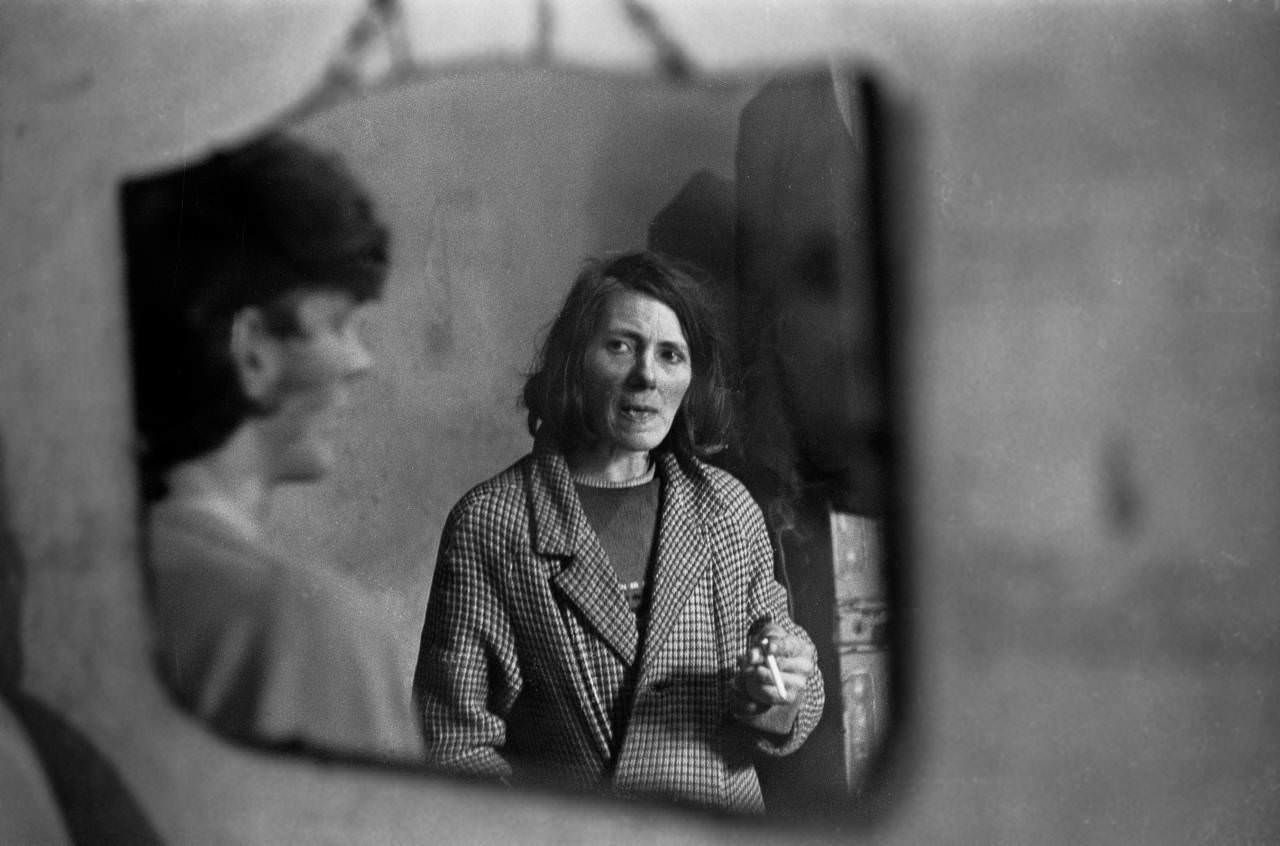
{"points": [[266, 648]]}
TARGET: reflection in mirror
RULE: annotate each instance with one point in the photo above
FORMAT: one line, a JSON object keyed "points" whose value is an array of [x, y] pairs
{"points": [[246, 272], [495, 186]]}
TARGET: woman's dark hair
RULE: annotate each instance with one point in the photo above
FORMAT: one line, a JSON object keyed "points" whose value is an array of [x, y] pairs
{"points": [[554, 393], [253, 226]]}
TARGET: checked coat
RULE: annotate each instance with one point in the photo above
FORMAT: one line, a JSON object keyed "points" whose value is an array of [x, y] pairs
{"points": [[533, 669]]}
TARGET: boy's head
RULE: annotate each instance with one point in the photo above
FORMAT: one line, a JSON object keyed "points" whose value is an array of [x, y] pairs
{"points": [[221, 258]]}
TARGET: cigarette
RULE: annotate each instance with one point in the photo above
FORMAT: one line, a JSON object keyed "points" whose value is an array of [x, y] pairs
{"points": [[772, 664]]}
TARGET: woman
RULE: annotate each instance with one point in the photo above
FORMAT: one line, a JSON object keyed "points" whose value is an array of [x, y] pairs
{"points": [[246, 274], [604, 613]]}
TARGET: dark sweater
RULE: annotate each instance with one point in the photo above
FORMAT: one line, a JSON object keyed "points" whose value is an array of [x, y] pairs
{"points": [[625, 520]]}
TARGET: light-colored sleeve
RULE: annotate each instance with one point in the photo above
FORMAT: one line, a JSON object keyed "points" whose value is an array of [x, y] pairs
{"points": [[467, 679], [267, 649], [307, 663], [333, 673]]}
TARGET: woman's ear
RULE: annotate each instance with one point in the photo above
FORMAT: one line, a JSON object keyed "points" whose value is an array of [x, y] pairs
{"points": [[256, 354]]}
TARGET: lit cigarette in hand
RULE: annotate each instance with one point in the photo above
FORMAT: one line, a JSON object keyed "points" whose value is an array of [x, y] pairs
{"points": [[772, 664]]}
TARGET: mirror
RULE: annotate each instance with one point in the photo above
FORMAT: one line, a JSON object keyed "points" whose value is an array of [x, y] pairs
{"points": [[495, 185]]}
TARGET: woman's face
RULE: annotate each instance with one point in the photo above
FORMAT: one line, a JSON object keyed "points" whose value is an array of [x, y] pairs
{"points": [[637, 370], [318, 366]]}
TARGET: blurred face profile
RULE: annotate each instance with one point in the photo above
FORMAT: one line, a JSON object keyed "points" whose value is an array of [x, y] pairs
{"points": [[637, 369], [319, 363]]}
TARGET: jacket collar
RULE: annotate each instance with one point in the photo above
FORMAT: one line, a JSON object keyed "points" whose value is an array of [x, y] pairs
{"points": [[560, 529], [683, 553]]}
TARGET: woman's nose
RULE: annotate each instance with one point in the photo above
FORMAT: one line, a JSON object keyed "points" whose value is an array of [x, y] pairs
{"points": [[642, 372]]}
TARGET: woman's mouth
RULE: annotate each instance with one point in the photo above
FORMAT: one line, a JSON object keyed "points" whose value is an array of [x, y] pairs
{"points": [[638, 412]]}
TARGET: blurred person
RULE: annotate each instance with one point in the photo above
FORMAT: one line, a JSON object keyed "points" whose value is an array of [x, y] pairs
{"points": [[604, 612], [247, 273]]}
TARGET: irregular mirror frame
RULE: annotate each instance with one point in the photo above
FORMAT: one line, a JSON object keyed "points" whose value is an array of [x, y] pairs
{"points": [[496, 183]]}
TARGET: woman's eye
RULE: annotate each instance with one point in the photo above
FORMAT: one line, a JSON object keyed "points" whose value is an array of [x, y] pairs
{"points": [[674, 356], [615, 345]]}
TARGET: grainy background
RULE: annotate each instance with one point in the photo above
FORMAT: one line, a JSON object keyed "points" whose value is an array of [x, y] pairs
{"points": [[1093, 376]]}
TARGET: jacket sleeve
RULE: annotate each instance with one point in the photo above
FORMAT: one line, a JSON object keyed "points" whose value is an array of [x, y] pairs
{"points": [[782, 728], [467, 678]]}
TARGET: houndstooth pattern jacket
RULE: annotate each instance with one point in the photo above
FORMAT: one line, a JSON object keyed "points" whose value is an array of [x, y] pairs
{"points": [[532, 668]]}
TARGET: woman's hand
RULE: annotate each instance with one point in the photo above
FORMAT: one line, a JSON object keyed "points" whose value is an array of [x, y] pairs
{"points": [[775, 667]]}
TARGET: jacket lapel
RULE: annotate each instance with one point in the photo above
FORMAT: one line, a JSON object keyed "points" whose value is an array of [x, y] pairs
{"points": [[588, 580], [683, 556]]}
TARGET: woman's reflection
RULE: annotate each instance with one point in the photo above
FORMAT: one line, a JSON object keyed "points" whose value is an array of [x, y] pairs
{"points": [[604, 612], [246, 272]]}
